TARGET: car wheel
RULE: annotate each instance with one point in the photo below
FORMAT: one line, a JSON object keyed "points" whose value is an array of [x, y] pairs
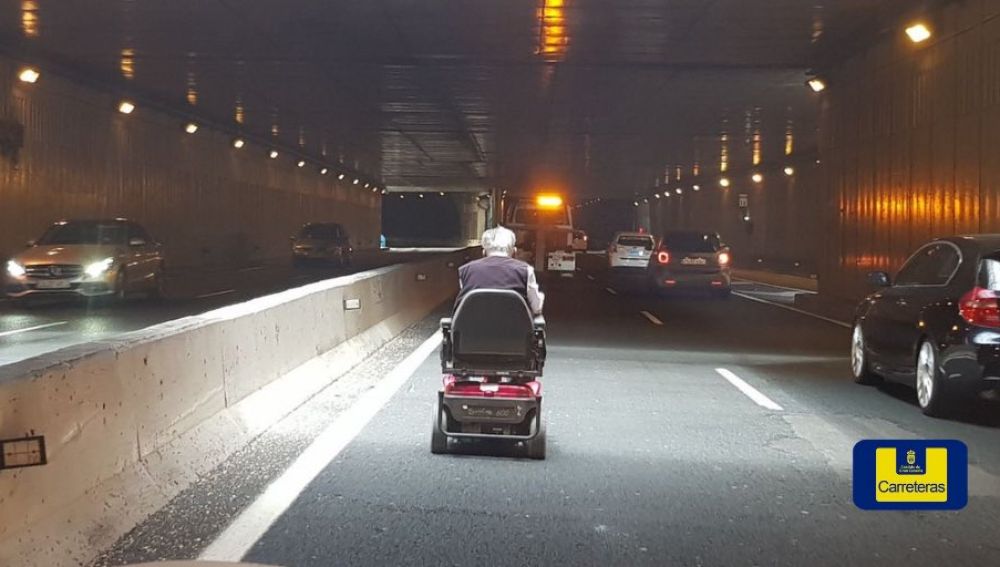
{"points": [[157, 291], [536, 445], [933, 394], [860, 368], [121, 287], [439, 441]]}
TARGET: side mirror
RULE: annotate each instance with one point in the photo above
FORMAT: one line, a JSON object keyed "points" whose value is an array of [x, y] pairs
{"points": [[879, 279], [136, 242]]}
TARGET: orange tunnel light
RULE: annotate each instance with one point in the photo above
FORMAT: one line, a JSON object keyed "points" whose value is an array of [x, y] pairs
{"points": [[549, 201]]}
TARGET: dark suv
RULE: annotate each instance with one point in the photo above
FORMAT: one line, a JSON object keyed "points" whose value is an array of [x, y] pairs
{"points": [[325, 242], [690, 260]]}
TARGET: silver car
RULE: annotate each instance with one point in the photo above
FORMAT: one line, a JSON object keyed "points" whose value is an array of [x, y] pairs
{"points": [[87, 258]]}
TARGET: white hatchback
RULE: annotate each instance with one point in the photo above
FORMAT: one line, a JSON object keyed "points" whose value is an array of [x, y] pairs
{"points": [[630, 251]]}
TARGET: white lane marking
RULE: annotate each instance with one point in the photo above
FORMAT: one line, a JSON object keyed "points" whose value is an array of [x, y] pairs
{"points": [[215, 294], [251, 269], [790, 308], [652, 318], [233, 543], [35, 328], [590, 277], [798, 289], [750, 392], [611, 291]]}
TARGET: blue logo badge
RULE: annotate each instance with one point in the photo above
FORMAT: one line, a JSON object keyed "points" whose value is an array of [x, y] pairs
{"points": [[922, 474]]}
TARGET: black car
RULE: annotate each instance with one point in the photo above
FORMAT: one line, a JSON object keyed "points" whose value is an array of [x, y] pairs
{"points": [[937, 326], [690, 260], [326, 242]]}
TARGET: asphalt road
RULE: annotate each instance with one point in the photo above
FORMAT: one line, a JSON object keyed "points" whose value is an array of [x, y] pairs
{"points": [[54, 324], [655, 458]]}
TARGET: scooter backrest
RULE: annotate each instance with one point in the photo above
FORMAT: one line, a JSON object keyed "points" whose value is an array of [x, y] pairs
{"points": [[492, 322]]}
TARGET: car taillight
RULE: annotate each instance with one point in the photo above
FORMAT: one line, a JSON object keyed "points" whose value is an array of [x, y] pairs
{"points": [[980, 307], [663, 257], [724, 258]]}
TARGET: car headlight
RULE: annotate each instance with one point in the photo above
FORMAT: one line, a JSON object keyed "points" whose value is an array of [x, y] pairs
{"points": [[14, 269], [98, 269]]}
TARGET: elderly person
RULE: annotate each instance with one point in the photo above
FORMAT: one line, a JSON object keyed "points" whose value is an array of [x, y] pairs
{"points": [[499, 270]]}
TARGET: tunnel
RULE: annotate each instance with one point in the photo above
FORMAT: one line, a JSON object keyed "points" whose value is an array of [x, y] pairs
{"points": [[518, 282]]}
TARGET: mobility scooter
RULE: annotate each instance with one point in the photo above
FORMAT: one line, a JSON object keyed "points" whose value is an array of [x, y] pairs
{"points": [[492, 355]]}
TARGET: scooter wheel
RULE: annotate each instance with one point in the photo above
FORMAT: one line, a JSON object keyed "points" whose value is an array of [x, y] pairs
{"points": [[439, 441], [536, 446]]}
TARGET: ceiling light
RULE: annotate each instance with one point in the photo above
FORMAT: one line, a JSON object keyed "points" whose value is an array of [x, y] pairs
{"points": [[789, 170], [301, 163], [679, 190], [341, 176], [356, 181], [441, 193], [273, 154], [724, 182], [126, 107], [375, 190], [757, 177], [635, 203], [384, 192], [191, 128], [324, 171], [29, 75], [816, 84], [366, 185], [238, 143], [918, 32], [421, 195], [696, 187], [657, 195]]}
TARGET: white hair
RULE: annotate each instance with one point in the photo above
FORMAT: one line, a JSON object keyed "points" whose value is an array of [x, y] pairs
{"points": [[499, 241]]}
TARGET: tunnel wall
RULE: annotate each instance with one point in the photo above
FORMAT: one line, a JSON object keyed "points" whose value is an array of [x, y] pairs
{"points": [[209, 203], [909, 136]]}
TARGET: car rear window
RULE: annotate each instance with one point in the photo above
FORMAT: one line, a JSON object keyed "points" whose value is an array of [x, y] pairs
{"points": [[691, 242], [989, 272], [318, 231], [640, 241]]}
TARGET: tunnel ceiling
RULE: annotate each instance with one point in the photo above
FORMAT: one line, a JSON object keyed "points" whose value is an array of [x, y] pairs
{"points": [[594, 96]]}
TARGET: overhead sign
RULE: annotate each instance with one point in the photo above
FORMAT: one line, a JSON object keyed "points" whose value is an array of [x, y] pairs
{"points": [[744, 200]]}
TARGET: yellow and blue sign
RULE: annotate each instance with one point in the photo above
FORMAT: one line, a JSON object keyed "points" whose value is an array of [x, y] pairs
{"points": [[893, 474]]}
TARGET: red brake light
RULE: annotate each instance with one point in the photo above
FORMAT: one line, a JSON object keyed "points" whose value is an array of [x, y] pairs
{"points": [[724, 258], [663, 257], [980, 307]]}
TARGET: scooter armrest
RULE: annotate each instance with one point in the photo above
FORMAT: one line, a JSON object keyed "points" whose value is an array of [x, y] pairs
{"points": [[539, 322], [446, 324]]}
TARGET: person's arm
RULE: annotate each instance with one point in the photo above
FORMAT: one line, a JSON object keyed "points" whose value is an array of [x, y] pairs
{"points": [[536, 299]]}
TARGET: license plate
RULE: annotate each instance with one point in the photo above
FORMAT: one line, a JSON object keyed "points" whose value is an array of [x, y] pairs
{"points": [[694, 261], [635, 253], [480, 411], [53, 284]]}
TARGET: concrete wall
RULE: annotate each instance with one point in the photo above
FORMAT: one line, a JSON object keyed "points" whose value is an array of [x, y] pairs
{"points": [[116, 409], [909, 134], [208, 202]]}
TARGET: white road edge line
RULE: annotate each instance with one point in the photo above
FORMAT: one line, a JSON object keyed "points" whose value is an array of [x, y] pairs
{"points": [[590, 277], [35, 328], [215, 294], [611, 291], [652, 318], [750, 392], [237, 539], [793, 309]]}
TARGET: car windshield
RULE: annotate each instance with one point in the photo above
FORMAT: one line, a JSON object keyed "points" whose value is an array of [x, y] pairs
{"points": [[322, 231], [84, 233], [636, 241], [691, 242]]}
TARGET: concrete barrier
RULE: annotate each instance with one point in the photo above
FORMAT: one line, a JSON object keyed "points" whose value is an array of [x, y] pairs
{"points": [[131, 421]]}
